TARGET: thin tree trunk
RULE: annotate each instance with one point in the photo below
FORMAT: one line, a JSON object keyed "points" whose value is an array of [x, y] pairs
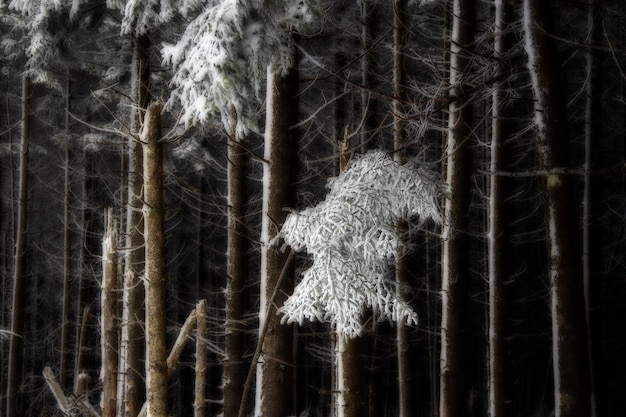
{"points": [[407, 389], [132, 349], [235, 368], [572, 386], [454, 384], [590, 254], [67, 253], [201, 362], [155, 271], [14, 376], [500, 391], [109, 318], [275, 373]]}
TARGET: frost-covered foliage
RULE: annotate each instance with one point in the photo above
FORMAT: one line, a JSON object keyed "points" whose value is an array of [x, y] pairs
{"points": [[222, 58], [139, 16], [353, 238], [40, 35]]}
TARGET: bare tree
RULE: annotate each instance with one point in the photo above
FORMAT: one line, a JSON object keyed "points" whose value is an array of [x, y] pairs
{"points": [[201, 360], [132, 348], [67, 243], [17, 309], [235, 368], [499, 335], [274, 382], [572, 387], [454, 386], [406, 378], [155, 271], [109, 318]]}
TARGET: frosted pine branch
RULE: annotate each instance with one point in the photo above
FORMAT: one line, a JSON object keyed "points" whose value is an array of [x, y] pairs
{"points": [[221, 61], [353, 240]]}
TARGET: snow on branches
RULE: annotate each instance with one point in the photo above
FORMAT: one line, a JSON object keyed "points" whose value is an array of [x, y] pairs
{"points": [[353, 239], [222, 58]]}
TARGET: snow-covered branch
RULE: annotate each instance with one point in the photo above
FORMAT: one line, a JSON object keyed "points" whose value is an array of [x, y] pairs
{"points": [[353, 239], [221, 60]]}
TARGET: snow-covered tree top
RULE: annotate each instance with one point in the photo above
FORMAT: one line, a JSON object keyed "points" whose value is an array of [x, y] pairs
{"points": [[40, 35], [139, 16], [353, 238], [222, 58]]}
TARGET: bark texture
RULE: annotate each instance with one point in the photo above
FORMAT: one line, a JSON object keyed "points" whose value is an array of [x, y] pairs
{"points": [[572, 386], [275, 373], [235, 369], [132, 353], [155, 275]]}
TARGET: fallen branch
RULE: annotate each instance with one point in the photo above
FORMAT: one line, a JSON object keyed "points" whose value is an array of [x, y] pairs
{"points": [[69, 406]]}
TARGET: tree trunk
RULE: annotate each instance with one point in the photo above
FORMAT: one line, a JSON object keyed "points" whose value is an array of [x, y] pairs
{"points": [[407, 389], [353, 376], [109, 318], [64, 374], [201, 361], [235, 369], [275, 374], [500, 390], [454, 384], [132, 349], [14, 376], [572, 387], [155, 270], [591, 255]]}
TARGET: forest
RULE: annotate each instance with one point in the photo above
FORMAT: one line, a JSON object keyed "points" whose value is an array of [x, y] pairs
{"points": [[277, 208]]}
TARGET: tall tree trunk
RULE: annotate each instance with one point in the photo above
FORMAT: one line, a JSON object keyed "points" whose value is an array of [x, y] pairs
{"points": [[64, 373], [368, 72], [275, 373], [454, 384], [407, 389], [235, 369], [201, 360], [155, 271], [591, 255], [352, 356], [14, 376], [572, 388], [500, 390], [109, 318], [132, 349]]}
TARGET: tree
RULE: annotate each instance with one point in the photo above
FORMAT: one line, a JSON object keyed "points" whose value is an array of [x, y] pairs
{"points": [[136, 21], [19, 276], [274, 379], [572, 388], [234, 361], [406, 385], [155, 271], [499, 334], [249, 55], [353, 240], [454, 386], [109, 309]]}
